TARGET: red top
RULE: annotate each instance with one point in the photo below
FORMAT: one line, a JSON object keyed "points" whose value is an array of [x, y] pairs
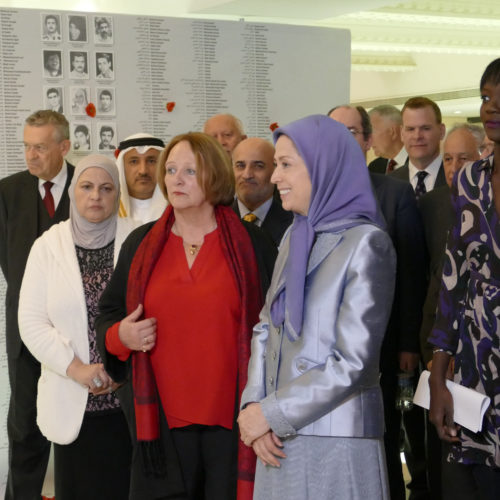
{"points": [[195, 356]]}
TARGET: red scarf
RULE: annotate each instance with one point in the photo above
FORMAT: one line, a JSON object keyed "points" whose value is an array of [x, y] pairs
{"points": [[238, 250]]}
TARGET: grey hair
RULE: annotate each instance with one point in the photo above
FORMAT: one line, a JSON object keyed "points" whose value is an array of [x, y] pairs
{"points": [[475, 130], [388, 111]]}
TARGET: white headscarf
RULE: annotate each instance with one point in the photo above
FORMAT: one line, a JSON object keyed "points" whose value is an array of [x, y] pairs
{"points": [[141, 143], [93, 234]]}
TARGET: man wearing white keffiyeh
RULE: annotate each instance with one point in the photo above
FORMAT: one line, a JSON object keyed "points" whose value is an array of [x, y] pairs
{"points": [[141, 198]]}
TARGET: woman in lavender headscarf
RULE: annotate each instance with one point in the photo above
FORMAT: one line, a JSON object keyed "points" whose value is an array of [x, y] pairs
{"points": [[312, 407]]}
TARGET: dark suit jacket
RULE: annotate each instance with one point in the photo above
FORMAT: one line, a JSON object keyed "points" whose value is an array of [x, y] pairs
{"points": [[404, 225], [277, 219], [378, 165], [19, 202], [437, 215], [403, 173]]}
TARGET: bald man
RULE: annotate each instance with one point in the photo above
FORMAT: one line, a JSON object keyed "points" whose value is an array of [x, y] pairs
{"points": [[253, 164], [226, 129]]}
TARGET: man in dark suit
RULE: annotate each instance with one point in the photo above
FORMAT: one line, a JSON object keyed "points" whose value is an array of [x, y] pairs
{"points": [[400, 348], [422, 133], [386, 139], [256, 200], [28, 207]]}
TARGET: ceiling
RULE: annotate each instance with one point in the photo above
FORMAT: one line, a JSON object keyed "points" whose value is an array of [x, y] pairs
{"points": [[399, 49]]}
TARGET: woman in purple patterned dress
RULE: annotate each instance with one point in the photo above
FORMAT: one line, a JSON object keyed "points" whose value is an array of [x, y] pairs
{"points": [[468, 317], [67, 270]]}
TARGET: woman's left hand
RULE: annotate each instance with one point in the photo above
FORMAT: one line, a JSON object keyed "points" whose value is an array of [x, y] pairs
{"points": [[252, 423], [268, 449]]}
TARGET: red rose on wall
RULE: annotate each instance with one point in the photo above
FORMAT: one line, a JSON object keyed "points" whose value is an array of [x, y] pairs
{"points": [[90, 109]]}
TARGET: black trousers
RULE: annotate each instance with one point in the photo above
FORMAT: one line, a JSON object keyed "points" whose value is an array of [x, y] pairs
{"points": [[389, 384], [470, 482], [28, 448], [208, 460]]}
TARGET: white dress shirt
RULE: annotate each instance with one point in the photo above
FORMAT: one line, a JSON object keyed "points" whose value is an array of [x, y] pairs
{"points": [[432, 171], [57, 189], [260, 212]]}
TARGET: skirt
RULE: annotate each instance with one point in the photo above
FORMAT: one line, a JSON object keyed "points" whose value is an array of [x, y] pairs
{"points": [[97, 464], [325, 468]]}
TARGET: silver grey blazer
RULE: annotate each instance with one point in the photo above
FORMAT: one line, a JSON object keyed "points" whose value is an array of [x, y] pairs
{"points": [[326, 383]]}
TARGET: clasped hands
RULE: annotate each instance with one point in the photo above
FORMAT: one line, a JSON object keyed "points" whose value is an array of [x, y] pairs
{"points": [[93, 376], [138, 334], [255, 432]]}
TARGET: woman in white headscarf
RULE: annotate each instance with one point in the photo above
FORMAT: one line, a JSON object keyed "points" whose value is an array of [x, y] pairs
{"points": [[68, 268]]}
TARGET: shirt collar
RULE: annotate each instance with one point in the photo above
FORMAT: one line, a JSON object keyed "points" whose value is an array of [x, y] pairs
{"points": [[400, 158], [260, 211], [432, 169], [60, 179]]}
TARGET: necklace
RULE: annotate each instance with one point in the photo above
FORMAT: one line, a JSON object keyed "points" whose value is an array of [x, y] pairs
{"points": [[192, 249]]}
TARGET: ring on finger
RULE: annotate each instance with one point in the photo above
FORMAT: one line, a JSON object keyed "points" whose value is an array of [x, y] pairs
{"points": [[97, 382]]}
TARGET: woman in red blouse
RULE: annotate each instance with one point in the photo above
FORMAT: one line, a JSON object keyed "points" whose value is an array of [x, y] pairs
{"points": [[177, 319]]}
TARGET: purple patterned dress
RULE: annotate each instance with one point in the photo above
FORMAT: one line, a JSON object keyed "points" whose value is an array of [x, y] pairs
{"points": [[468, 316]]}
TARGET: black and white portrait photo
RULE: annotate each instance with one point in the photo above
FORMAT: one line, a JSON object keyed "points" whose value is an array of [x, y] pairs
{"points": [[53, 98], [52, 64], [103, 30], [104, 66], [106, 101], [51, 28], [77, 28], [106, 136], [80, 137], [79, 97], [79, 65]]}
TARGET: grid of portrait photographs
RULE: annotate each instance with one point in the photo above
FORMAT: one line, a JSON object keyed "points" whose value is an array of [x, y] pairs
{"points": [[78, 67]]}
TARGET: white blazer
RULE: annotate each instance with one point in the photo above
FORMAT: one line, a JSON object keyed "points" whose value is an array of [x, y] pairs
{"points": [[53, 325]]}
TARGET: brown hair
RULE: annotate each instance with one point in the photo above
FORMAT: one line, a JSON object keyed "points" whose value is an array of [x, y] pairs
{"points": [[214, 171], [422, 102], [47, 117]]}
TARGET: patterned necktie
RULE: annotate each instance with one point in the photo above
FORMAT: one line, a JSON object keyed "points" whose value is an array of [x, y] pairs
{"points": [[48, 199], [420, 188], [250, 217], [390, 166]]}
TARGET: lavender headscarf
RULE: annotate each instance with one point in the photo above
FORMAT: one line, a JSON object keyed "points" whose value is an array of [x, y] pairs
{"points": [[91, 234], [341, 197]]}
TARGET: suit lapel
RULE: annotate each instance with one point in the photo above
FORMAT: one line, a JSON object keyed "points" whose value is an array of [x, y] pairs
{"points": [[440, 177], [325, 243]]}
